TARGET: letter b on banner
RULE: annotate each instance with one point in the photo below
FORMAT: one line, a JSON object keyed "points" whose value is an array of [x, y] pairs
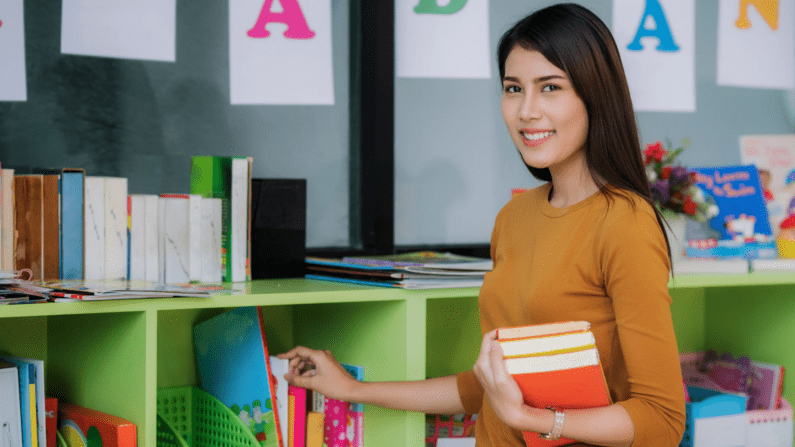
{"points": [[291, 15], [431, 7], [662, 32]]}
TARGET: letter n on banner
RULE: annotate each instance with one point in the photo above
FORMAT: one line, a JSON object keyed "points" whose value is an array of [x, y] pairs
{"points": [[13, 86], [656, 39], [450, 41], [280, 52], [756, 43]]}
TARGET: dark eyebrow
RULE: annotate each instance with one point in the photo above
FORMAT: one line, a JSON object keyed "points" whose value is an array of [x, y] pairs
{"points": [[535, 81]]}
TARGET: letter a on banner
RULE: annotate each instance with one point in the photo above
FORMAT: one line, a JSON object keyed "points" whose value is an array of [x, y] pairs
{"points": [[288, 64], [13, 86], [451, 41], [756, 43], [661, 77], [291, 15], [661, 31]]}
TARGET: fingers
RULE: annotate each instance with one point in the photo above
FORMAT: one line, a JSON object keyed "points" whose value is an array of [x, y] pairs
{"points": [[499, 372]]}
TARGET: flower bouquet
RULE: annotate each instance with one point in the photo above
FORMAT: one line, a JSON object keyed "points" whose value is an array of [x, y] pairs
{"points": [[673, 187]]}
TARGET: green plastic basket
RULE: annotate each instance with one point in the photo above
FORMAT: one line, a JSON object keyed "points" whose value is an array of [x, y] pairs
{"points": [[200, 420], [167, 436]]}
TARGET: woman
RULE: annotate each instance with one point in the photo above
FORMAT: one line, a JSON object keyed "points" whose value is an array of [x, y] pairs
{"points": [[587, 245]]}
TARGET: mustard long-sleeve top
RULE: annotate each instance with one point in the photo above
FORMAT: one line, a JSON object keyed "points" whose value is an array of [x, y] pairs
{"points": [[604, 264]]}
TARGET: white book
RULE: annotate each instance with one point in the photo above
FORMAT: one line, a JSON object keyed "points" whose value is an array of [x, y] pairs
{"points": [[538, 345], [240, 204], [94, 234], [7, 217], [773, 265], [137, 237], [40, 414], [711, 266], [10, 420], [115, 228], [195, 229], [543, 329], [151, 237], [553, 362], [211, 240], [176, 212]]}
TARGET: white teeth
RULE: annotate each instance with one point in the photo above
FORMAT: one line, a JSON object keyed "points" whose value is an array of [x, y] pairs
{"points": [[537, 136]]}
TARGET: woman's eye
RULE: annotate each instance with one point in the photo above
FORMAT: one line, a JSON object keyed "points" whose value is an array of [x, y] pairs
{"points": [[511, 89], [550, 88]]}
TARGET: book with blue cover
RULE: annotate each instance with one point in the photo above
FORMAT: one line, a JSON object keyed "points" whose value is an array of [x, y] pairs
{"points": [[741, 229], [233, 364], [36, 395]]}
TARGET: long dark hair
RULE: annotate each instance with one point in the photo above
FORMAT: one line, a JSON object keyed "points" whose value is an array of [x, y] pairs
{"points": [[575, 40]]}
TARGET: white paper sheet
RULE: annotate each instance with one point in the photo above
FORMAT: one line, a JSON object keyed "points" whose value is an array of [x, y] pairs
{"points": [[443, 45], [293, 64], [757, 56], [660, 79], [141, 29], [12, 52]]}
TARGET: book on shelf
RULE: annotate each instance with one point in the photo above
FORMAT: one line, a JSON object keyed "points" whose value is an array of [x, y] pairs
{"points": [[354, 421], [175, 238], [29, 215], [51, 420], [297, 416], [36, 376], [51, 226], [211, 240], [425, 259], [774, 156], [732, 266], [151, 237], [557, 365], [115, 228], [234, 365], [85, 426], [94, 228], [786, 265], [10, 415], [195, 236], [7, 218], [314, 429], [27, 400], [279, 368], [741, 229], [121, 289], [137, 242], [767, 386], [228, 179]]}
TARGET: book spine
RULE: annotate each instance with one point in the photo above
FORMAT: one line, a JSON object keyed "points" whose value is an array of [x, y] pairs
{"points": [[276, 415], [94, 233], [7, 216], [211, 178], [51, 222], [72, 194], [137, 237], [176, 235], [334, 423], [240, 212], [29, 223], [314, 429], [298, 419], [151, 237], [195, 236], [115, 228], [211, 241]]}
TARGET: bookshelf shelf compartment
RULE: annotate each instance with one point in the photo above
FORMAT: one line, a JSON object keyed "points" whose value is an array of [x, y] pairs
{"points": [[114, 356]]}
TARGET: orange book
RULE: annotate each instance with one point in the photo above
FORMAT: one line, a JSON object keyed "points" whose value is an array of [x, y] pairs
{"points": [[78, 424], [314, 429], [556, 365]]}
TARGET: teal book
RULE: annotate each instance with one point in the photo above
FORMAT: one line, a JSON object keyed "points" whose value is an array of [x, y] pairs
{"points": [[233, 364]]}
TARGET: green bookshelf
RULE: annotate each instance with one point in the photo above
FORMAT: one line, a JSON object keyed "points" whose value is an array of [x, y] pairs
{"points": [[115, 355]]}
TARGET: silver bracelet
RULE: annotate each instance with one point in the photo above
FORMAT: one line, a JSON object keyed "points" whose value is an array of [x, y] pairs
{"points": [[557, 429]]}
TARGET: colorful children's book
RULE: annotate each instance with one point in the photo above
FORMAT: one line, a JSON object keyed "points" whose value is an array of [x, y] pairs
{"points": [[279, 368], [741, 228], [297, 420], [354, 421], [36, 396], [555, 365], [334, 423], [233, 363], [80, 426], [774, 156], [767, 385], [51, 419]]}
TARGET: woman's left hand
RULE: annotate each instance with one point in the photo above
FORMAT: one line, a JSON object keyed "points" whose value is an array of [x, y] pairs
{"points": [[501, 389]]}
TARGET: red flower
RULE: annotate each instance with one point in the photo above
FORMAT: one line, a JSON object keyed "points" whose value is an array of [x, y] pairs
{"points": [[654, 152], [690, 207], [666, 173]]}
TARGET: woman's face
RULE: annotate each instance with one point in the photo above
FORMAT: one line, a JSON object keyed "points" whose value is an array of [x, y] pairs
{"points": [[546, 118]]}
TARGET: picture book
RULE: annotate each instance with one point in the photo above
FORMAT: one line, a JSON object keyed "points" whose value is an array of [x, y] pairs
{"points": [[279, 368], [555, 365], [10, 417], [334, 423], [35, 395], [82, 427], [354, 421], [297, 419], [774, 156], [767, 384], [741, 228], [51, 420], [233, 365]]}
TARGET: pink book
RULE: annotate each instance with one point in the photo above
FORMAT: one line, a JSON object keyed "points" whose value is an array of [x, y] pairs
{"points": [[298, 398], [334, 423]]}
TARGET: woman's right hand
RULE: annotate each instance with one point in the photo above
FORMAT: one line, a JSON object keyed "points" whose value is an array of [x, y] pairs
{"points": [[321, 372]]}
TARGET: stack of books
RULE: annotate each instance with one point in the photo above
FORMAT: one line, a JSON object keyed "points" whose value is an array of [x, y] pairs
{"points": [[414, 270]]}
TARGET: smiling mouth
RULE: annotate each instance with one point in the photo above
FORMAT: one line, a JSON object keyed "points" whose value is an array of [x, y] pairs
{"points": [[536, 138]]}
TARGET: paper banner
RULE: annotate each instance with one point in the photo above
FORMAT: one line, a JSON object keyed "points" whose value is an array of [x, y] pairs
{"points": [[12, 52], [140, 29], [280, 52], [450, 41], [656, 39], [756, 43]]}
